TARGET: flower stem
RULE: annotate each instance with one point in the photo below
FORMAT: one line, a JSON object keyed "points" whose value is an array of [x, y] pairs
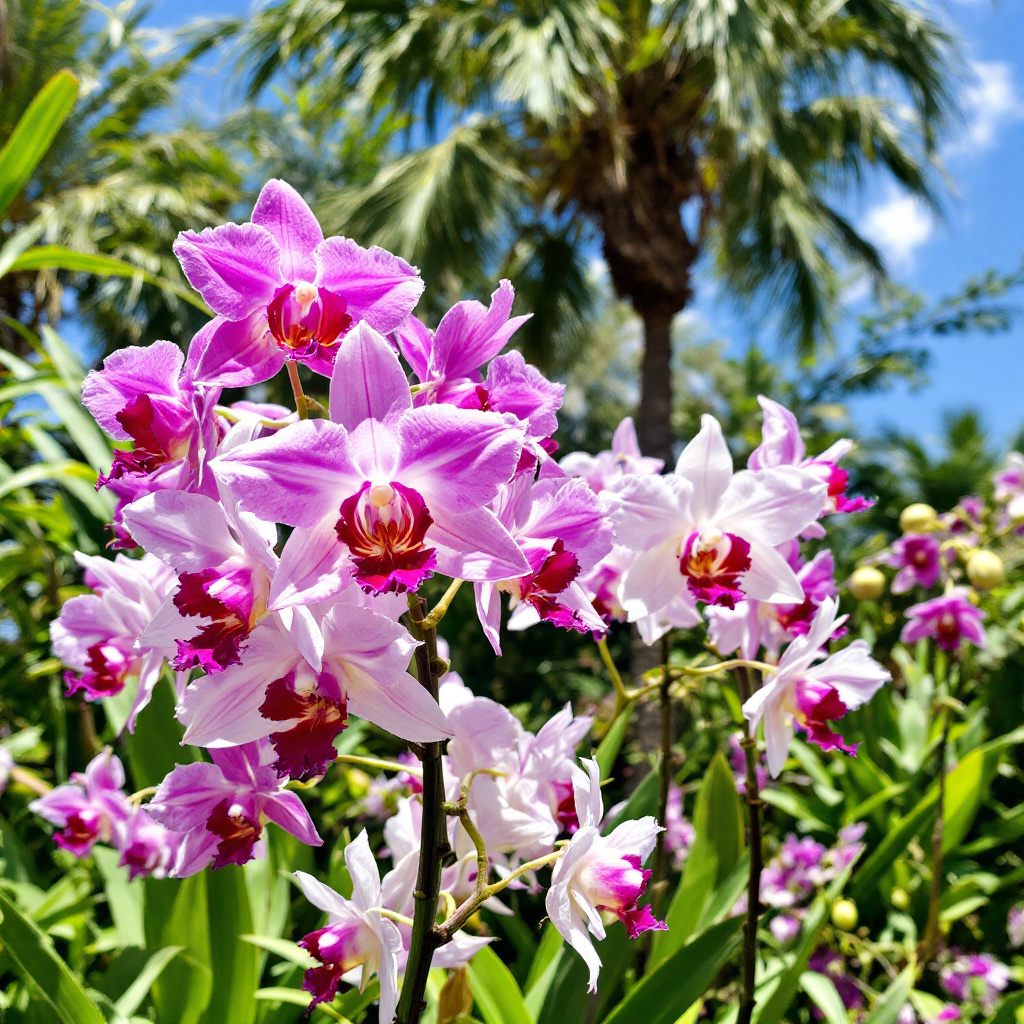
{"points": [[434, 847], [377, 762], [437, 612], [749, 745], [660, 873], [930, 942], [300, 398]]}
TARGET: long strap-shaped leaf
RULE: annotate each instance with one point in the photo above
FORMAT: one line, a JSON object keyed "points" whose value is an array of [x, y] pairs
{"points": [[37, 960], [34, 133]]}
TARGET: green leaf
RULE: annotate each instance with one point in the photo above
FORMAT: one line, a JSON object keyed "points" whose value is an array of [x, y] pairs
{"points": [[57, 257], [284, 948], [542, 969], [36, 959], [966, 787], [716, 849], [235, 964], [895, 842], [887, 1009], [34, 133], [668, 991], [611, 743], [1008, 1012], [495, 991], [132, 998], [123, 897], [823, 993]]}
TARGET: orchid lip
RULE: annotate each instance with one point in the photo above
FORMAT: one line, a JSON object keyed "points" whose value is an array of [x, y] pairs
{"points": [[713, 562]]}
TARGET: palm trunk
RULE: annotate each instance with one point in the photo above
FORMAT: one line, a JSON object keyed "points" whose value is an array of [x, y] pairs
{"points": [[654, 422]]}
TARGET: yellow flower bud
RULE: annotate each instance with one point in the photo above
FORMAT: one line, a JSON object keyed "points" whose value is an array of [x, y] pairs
{"points": [[867, 583], [900, 898], [844, 915], [985, 569], [918, 518]]}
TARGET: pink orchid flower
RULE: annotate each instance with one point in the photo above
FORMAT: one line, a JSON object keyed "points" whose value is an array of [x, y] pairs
{"points": [[805, 695], [302, 705], [220, 809], [709, 530], [88, 809], [282, 291], [623, 459], [947, 619], [356, 937], [562, 530], [384, 493], [100, 636], [598, 872]]}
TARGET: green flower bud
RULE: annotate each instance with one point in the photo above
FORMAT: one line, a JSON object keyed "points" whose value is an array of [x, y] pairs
{"points": [[867, 583]]}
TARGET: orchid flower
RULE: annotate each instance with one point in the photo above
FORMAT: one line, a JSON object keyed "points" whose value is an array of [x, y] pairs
{"points": [[598, 873], [562, 530], [624, 459], [447, 362], [356, 936], [99, 635], [711, 531], [302, 702], [385, 493], [782, 445], [144, 395], [281, 291], [805, 695], [920, 560], [947, 619], [221, 808], [89, 808]]}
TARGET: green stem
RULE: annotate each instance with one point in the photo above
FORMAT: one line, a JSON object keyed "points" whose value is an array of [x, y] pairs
{"points": [[749, 745], [434, 847], [659, 873], [300, 397]]}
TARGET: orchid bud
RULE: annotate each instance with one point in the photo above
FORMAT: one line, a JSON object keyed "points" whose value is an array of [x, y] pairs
{"points": [[918, 518], [985, 570], [899, 898], [844, 915], [867, 583]]}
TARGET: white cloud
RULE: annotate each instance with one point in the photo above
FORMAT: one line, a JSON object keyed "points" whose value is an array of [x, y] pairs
{"points": [[990, 102], [899, 226]]}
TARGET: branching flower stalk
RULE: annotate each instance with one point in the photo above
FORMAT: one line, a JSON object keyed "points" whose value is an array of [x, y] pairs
{"points": [[753, 795], [659, 873]]}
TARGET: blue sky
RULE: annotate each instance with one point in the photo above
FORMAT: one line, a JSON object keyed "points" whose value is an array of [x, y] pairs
{"points": [[981, 227]]}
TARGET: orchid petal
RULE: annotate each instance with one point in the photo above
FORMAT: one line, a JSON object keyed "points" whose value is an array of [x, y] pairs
{"points": [[362, 869], [368, 381], [285, 214], [314, 567], [400, 706], [770, 505], [288, 811], [770, 578], [475, 546], [235, 353], [707, 464]]}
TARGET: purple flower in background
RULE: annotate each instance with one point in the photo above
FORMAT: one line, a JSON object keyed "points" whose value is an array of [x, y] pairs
{"points": [[738, 762], [919, 559], [792, 873], [1015, 926], [827, 962], [282, 291], [6, 767], [785, 927], [679, 832], [947, 620], [356, 936], [1009, 485], [977, 976], [88, 809], [221, 808]]}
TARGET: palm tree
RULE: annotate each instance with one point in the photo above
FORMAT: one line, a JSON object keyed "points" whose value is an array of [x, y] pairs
{"points": [[659, 131], [121, 179]]}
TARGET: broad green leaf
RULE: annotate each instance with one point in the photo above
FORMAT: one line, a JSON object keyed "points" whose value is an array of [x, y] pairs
{"points": [[542, 969], [139, 988], [57, 257], [887, 1009], [34, 133], [41, 472], [155, 746], [668, 991], [567, 1000], [495, 992], [893, 845], [611, 743], [235, 964], [35, 957], [714, 853], [1009, 1012], [823, 993], [643, 801], [124, 898]]}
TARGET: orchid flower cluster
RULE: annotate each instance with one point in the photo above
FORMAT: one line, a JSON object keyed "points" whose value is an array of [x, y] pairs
{"points": [[285, 559]]}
